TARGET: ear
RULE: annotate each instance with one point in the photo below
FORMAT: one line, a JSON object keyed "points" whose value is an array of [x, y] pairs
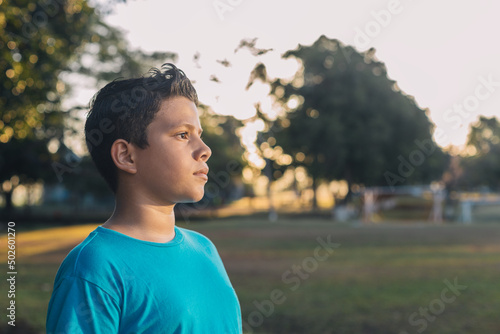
{"points": [[123, 155]]}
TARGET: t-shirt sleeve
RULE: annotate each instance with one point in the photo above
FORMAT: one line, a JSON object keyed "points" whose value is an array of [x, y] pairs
{"points": [[78, 306]]}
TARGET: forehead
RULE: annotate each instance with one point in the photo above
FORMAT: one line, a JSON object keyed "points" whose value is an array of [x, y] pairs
{"points": [[175, 112]]}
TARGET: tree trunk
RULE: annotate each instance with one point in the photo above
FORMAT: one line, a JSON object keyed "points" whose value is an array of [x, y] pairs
{"points": [[315, 199], [8, 204], [348, 197], [273, 215]]}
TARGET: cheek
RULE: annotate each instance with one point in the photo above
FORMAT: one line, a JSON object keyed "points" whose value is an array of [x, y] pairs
{"points": [[165, 158], [169, 163], [175, 159]]}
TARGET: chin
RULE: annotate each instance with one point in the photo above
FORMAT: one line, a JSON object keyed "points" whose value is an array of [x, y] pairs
{"points": [[192, 199], [198, 198]]}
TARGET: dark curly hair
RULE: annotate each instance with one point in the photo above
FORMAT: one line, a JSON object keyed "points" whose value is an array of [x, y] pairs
{"points": [[124, 108]]}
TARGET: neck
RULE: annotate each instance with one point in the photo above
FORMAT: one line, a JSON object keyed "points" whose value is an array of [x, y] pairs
{"points": [[142, 219]]}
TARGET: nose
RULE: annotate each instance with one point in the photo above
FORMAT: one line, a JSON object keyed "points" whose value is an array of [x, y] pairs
{"points": [[204, 151]]}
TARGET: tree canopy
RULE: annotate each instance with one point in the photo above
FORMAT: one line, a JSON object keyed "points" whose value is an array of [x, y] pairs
{"points": [[37, 42], [347, 120], [482, 168]]}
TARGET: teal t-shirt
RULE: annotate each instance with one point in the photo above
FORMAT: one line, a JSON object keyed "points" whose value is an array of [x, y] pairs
{"points": [[112, 283]]}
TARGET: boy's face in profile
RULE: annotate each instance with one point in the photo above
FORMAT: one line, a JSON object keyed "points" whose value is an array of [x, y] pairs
{"points": [[173, 169]]}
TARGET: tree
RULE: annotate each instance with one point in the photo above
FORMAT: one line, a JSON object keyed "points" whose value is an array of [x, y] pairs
{"points": [[482, 168], [347, 120], [37, 40]]}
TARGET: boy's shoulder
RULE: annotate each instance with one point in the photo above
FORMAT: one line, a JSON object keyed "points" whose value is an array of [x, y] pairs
{"points": [[93, 252], [103, 246], [105, 249]]}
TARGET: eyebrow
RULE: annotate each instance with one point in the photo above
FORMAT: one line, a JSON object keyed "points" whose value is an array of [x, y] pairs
{"points": [[186, 125]]}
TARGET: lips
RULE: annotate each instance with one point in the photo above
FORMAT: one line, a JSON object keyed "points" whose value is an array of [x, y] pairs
{"points": [[202, 173]]}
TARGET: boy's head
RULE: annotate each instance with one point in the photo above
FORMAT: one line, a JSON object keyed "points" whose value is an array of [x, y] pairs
{"points": [[124, 109]]}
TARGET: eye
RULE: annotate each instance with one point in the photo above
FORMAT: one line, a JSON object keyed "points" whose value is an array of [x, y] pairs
{"points": [[183, 135]]}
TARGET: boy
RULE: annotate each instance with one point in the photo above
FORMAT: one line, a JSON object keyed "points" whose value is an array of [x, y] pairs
{"points": [[138, 272]]}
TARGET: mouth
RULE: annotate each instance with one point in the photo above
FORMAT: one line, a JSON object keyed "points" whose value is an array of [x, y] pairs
{"points": [[202, 173]]}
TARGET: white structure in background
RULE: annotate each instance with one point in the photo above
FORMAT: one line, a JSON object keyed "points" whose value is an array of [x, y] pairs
{"points": [[438, 197], [469, 201], [370, 205], [341, 212], [466, 211]]}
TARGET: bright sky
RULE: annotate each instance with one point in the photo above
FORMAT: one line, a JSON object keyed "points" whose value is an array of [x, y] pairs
{"points": [[444, 53]]}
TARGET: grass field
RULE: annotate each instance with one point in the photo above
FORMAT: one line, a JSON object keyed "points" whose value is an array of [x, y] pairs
{"points": [[375, 279]]}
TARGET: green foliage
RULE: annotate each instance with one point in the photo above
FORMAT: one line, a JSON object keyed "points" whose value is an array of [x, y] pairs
{"points": [[37, 42], [83, 177], [483, 168], [484, 135], [27, 159], [352, 122]]}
